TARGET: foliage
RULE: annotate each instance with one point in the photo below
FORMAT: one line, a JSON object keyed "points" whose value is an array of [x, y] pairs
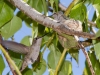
{"points": [[11, 23]]}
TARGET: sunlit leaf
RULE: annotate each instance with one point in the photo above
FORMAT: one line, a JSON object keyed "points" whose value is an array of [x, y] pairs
{"points": [[78, 12], [66, 68], [6, 13], [97, 50], [2, 65], [53, 56], [11, 27], [98, 22]]}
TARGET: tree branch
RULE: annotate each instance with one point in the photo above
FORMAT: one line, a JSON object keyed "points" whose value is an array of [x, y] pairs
{"points": [[46, 21], [86, 55], [9, 60]]}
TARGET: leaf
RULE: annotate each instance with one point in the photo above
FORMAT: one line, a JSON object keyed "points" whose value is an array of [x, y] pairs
{"points": [[6, 13], [97, 7], [78, 12], [98, 34], [36, 4], [56, 3], [74, 53], [85, 72], [98, 22], [35, 29], [27, 72], [26, 41], [53, 56], [40, 68], [16, 57], [2, 65], [11, 27], [41, 29], [66, 68], [97, 49], [67, 41]]}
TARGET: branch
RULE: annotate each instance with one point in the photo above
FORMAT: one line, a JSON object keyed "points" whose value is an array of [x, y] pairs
{"points": [[86, 55], [9, 60], [46, 21]]}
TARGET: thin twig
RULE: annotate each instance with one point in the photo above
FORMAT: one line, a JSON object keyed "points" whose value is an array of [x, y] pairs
{"points": [[86, 55], [11, 67], [10, 60]]}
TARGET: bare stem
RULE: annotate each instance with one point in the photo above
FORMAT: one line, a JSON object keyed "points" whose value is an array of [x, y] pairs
{"points": [[86, 55]]}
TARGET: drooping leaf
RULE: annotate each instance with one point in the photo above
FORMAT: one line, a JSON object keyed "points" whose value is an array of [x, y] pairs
{"points": [[53, 56], [78, 12], [2, 65], [66, 68], [6, 13], [11, 27], [74, 53]]}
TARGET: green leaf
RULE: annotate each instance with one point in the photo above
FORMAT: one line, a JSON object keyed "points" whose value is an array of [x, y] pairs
{"points": [[66, 68], [11, 27], [78, 12], [74, 53], [44, 6], [97, 7], [98, 33], [85, 72], [2, 65], [97, 50], [98, 22], [41, 68], [6, 13], [35, 29], [56, 3], [36, 4], [27, 72], [41, 29], [26, 41], [53, 56], [68, 41]]}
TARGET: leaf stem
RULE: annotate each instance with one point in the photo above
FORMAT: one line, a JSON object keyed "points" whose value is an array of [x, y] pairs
{"points": [[60, 61], [10, 60], [67, 11], [49, 41]]}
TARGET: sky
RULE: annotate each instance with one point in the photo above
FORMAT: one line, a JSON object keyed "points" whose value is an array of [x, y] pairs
{"points": [[76, 67]]}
